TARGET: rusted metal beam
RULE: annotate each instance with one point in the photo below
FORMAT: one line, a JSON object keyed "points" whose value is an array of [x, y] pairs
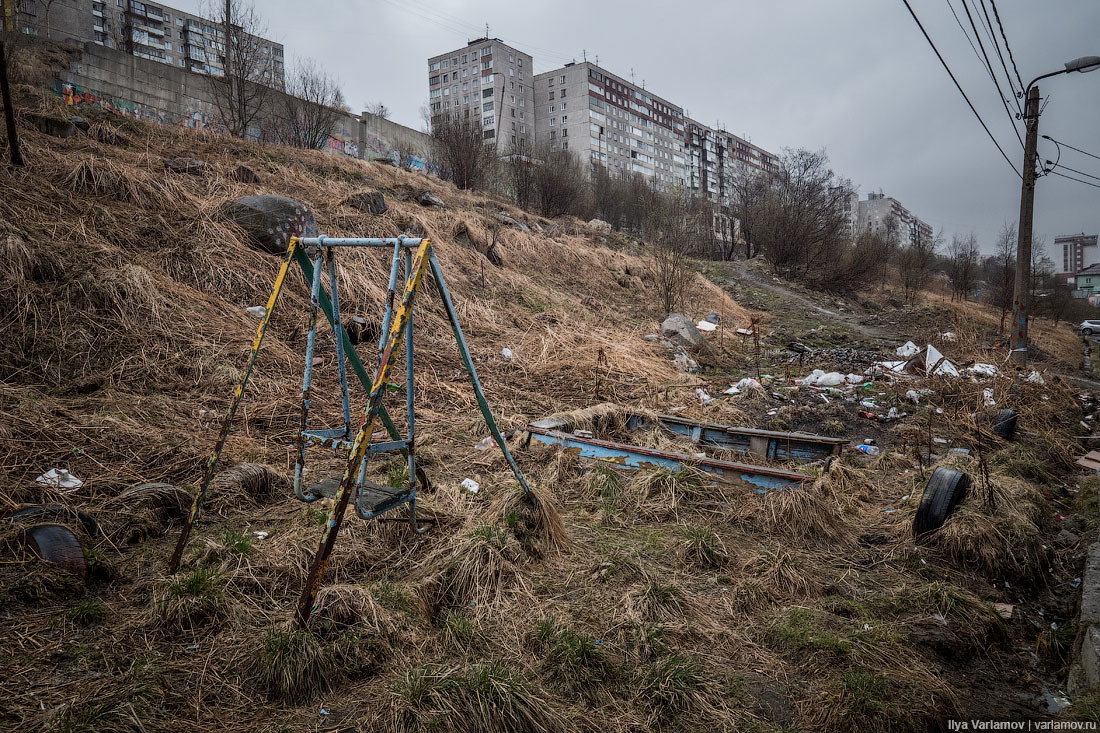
{"points": [[212, 462], [761, 478]]}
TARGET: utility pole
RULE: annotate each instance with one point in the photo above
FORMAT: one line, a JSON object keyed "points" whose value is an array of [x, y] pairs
{"points": [[1021, 304], [5, 88]]}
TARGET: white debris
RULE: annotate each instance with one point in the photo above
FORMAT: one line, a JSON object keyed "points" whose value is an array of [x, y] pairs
{"points": [[260, 534], [485, 443], [818, 378], [706, 325], [937, 363], [60, 479], [256, 310], [987, 395], [913, 396], [704, 398], [908, 349], [506, 354], [1036, 378], [746, 383], [685, 363], [984, 370], [855, 378], [470, 485], [947, 336]]}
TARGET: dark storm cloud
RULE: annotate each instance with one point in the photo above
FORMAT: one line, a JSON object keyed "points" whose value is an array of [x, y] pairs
{"points": [[852, 76]]}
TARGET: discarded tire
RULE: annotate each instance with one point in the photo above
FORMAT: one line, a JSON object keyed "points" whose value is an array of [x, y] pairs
{"points": [[1004, 424], [57, 512], [56, 544], [942, 494]]}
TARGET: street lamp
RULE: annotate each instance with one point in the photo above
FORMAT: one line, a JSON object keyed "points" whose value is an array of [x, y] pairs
{"points": [[1020, 303]]}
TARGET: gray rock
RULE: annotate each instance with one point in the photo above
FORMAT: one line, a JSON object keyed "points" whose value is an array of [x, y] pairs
{"points": [[54, 126], [652, 337], [1090, 587], [1066, 538], [599, 225], [80, 123], [505, 219], [495, 256], [427, 198], [681, 330], [190, 166], [244, 174], [685, 363], [369, 202], [270, 221]]}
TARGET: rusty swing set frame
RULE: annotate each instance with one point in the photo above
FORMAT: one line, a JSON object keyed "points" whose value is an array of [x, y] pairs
{"points": [[314, 255]]}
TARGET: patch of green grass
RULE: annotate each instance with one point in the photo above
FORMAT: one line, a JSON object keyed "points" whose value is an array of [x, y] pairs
{"points": [[237, 541], [569, 651], [130, 697], [315, 517], [490, 535], [291, 664], [87, 611], [1086, 708], [672, 683], [193, 600], [703, 547], [1035, 460], [458, 630], [867, 692], [605, 482], [799, 630], [397, 474], [649, 640], [100, 564]]}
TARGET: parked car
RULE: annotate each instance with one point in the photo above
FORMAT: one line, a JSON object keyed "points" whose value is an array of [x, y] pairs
{"points": [[1089, 327]]}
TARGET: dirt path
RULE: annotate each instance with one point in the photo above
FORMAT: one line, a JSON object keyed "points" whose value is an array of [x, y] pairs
{"points": [[740, 271]]}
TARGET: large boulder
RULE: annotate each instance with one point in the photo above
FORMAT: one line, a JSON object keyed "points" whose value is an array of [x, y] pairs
{"points": [[270, 220], [369, 202], [54, 126], [427, 198], [599, 225], [681, 330], [505, 219]]}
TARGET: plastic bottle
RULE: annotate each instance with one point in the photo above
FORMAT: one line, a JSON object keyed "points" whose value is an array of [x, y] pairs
{"points": [[871, 450]]}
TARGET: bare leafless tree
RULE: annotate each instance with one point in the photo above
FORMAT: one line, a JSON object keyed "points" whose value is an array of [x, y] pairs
{"points": [[312, 105], [519, 173], [963, 262], [243, 87], [48, 6], [1004, 277], [558, 182], [916, 262], [378, 110], [748, 189], [459, 151], [669, 230]]}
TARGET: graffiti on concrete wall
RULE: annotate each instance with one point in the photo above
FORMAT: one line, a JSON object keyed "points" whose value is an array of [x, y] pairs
{"points": [[376, 147], [77, 96]]}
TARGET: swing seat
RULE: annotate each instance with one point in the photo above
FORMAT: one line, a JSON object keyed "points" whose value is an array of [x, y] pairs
{"points": [[372, 499]]}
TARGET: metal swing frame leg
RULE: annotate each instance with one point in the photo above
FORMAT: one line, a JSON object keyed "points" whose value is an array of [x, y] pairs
{"points": [[212, 462]]}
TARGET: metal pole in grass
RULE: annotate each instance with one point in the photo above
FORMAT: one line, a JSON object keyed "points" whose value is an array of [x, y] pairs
{"points": [[200, 493], [468, 362], [362, 440], [5, 90]]}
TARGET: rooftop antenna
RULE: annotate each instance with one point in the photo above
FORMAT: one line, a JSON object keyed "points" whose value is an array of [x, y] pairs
{"points": [[584, 54], [631, 74], [486, 30]]}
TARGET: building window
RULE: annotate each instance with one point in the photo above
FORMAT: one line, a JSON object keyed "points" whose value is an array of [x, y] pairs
{"points": [[552, 110], [488, 134], [552, 120], [564, 119], [561, 79], [464, 58], [487, 107], [488, 121], [487, 93]]}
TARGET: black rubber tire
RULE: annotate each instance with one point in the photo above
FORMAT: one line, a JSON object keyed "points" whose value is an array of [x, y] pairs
{"points": [[56, 511], [1004, 425], [942, 494], [1086, 331], [56, 544]]}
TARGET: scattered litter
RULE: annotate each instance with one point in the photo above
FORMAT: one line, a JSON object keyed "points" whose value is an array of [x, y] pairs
{"points": [[746, 383], [584, 433], [871, 450], [260, 534], [705, 325], [685, 363], [256, 310], [867, 627], [908, 349], [893, 414], [1076, 583], [888, 511], [959, 452], [939, 617], [1036, 378], [941, 441], [485, 443], [506, 354], [60, 479], [744, 332], [470, 485], [704, 398], [869, 404], [947, 336], [191, 647], [713, 317], [932, 362], [869, 441], [987, 396], [818, 378], [984, 370], [324, 710], [318, 361], [906, 497], [913, 396]]}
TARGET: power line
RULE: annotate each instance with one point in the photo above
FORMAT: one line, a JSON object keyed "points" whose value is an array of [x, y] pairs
{"points": [[992, 74], [959, 87], [1087, 183], [1079, 150], [1008, 48], [1080, 173], [996, 44]]}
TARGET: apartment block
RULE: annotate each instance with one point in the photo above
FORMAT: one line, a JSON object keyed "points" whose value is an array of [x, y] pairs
{"points": [[147, 30], [611, 121], [1079, 251], [489, 83], [876, 211], [714, 156]]}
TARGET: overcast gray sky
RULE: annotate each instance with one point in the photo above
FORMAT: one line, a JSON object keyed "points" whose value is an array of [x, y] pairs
{"points": [[855, 77]]}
